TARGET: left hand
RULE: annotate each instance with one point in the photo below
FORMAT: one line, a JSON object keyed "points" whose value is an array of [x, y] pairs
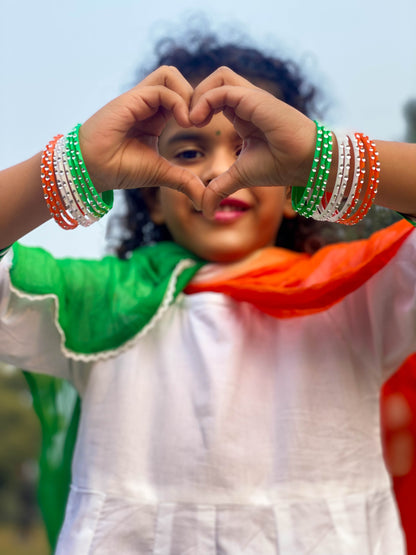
{"points": [[278, 140]]}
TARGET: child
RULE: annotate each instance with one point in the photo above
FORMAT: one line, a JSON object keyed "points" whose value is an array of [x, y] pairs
{"points": [[230, 389]]}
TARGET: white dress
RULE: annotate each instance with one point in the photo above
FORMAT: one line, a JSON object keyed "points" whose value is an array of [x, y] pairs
{"points": [[224, 431]]}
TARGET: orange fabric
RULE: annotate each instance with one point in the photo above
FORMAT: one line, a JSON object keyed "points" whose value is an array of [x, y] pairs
{"points": [[285, 284], [403, 384]]}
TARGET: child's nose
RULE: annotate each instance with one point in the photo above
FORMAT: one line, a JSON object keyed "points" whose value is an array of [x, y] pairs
{"points": [[216, 165]]}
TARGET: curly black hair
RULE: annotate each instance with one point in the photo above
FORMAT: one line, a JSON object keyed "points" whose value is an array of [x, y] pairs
{"points": [[196, 56]]}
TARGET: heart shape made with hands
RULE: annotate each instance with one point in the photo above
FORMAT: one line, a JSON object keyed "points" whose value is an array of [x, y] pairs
{"points": [[126, 134]]}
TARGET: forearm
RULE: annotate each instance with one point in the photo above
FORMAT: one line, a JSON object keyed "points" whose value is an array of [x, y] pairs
{"points": [[350, 184], [397, 188], [22, 206]]}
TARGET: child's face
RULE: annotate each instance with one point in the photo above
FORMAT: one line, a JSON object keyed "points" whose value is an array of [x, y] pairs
{"points": [[247, 221]]}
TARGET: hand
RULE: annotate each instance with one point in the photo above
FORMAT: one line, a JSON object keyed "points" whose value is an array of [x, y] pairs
{"points": [[120, 142], [278, 141]]}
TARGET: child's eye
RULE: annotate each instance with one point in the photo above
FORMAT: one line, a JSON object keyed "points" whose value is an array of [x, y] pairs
{"points": [[188, 154]]}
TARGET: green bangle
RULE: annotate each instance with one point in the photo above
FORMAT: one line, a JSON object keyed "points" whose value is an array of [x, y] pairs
{"points": [[81, 186], [322, 174], [306, 200], [98, 206], [300, 195]]}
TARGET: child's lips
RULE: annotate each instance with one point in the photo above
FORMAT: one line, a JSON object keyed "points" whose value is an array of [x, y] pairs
{"points": [[230, 209]]}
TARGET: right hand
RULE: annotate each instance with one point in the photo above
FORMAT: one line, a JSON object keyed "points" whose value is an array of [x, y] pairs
{"points": [[278, 141], [120, 142]]}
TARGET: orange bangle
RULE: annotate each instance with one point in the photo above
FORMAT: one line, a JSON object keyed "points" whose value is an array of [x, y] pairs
{"points": [[372, 181], [50, 189]]}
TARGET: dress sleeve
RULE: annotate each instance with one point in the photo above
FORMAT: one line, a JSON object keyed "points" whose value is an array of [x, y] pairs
{"points": [[29, 338]]}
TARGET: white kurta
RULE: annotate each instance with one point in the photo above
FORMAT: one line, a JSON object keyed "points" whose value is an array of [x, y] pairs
{"points": [[226, 431]]}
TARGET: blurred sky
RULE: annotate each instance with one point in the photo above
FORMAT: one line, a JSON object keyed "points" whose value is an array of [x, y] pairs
{"points": [[61, 61]]}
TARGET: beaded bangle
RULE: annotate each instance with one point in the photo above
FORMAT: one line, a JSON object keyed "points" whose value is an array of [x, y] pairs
{"points": [[305, 201], [372, 182], [322, 175], [67, 189], [344, 180], [83, 209], [95, 205], [300, 196], [345, 203], [330, 202], [62, 181], [358, 183], [50, 189]]}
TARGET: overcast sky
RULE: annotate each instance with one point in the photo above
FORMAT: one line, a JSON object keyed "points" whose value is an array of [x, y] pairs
{"points": [[61, 61]]}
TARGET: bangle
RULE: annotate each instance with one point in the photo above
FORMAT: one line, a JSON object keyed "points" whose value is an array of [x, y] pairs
{"points": [[96, 205], [305, 201], [344, 181], [345, 203], [300, 196], [330, 202], [50, 189], [67, 189], [358, 181], [372, 181]]}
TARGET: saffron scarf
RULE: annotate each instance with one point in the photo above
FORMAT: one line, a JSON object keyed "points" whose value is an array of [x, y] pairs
{"points": [[103, 305]]}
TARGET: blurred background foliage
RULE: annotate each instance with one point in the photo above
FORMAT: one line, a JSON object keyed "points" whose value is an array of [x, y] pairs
{"points": [[21, 529]]}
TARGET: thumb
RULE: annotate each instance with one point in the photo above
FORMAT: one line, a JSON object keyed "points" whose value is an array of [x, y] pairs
{"points": [[220, 188], [183, 181]]}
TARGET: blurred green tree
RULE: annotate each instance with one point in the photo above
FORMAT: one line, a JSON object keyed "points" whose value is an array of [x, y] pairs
{"points": [[410, 116], [19, 449]]}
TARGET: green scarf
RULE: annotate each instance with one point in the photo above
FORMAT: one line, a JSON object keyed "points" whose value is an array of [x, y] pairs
{"points": [[99, 306]]}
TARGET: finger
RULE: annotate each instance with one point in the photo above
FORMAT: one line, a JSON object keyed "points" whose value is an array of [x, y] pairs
{"points": [[137, 105], [172, 78], [220, 77], [182, 180], [207, 120], [220, 188], [243, 128], [241, 100], [155, 97]]}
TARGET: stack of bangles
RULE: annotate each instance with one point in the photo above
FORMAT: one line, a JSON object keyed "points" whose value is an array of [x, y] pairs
{"points": [[356, 182], [73, 200], [68, 190]]}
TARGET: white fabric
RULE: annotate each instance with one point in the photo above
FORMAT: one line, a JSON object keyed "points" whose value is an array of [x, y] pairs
{"points": [[225, 431]]}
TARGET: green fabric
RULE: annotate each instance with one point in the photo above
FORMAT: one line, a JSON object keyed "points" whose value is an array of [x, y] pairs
{"points": [[102, 304], [57, 406]]}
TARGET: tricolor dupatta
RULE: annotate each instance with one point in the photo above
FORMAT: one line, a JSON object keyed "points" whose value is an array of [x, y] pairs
{"points": [[102, 306]]}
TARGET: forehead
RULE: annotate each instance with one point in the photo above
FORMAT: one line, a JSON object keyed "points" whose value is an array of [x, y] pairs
{"points": [[219, 127]]}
